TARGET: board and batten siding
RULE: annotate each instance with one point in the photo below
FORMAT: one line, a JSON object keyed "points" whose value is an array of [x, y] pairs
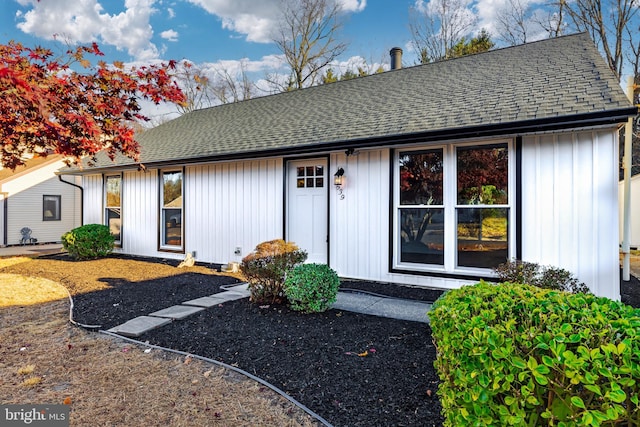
{"points": [[568, 210], [634, 220], [569, 201], [225, 205], [93, 199], [24, 204], [232, 205]]}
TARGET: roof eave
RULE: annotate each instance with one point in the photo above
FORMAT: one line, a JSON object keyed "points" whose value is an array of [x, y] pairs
{"points": [[600, 118]]}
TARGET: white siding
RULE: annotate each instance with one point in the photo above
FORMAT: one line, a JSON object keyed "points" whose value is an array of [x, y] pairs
{"points": [[226, 205], [569, 200], [25, 203], [140, 212], [229, 205], [569, 216], [635, 210], [93, 199]]}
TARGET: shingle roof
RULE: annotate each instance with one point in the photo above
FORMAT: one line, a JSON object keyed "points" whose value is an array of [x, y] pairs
{"points": [[554, 80]]}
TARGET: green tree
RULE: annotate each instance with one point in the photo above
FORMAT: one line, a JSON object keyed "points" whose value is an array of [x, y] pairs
{"points": [[329, 76], [481, 43]]}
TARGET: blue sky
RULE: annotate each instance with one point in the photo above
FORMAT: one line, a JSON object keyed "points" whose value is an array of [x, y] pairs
{"points": [[197, 30], [213, 34]]}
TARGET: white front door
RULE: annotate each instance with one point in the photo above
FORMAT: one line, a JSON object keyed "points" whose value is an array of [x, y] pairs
{"points": [[307, 207]]}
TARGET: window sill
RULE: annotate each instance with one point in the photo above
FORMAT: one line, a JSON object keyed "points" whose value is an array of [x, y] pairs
{"points": [[465, 274]]}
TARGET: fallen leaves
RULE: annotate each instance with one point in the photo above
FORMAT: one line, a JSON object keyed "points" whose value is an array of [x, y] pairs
{"points": [[362, 354], [26, 370], [31, 382]]}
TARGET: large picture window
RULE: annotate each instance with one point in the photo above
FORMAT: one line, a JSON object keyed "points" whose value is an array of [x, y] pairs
{"points": [[113, 206], [452, 208], [171, 229]]}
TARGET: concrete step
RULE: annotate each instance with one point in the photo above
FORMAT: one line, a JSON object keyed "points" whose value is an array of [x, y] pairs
{"points": [[385, 307], [176, 312], [206, 302], [139, 325]]}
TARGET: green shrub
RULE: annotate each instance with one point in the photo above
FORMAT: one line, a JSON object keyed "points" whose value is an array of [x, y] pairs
{"points": [[266, 267], [88, 241], [531, 273], [311, 288], [520, 355]]}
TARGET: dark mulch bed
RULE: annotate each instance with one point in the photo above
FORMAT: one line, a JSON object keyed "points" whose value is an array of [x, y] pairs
{"points": [[351, 369], [126, 300]]}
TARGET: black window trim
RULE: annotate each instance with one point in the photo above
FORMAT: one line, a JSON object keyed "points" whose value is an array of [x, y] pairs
{"points": [[57, 214]]}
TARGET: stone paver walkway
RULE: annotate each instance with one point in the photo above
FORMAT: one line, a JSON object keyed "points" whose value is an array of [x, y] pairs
{"points": [[349, 301]]}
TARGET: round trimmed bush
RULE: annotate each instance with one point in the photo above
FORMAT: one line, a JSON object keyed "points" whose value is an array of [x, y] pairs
{"points": [[311, 288], [89, 241]]}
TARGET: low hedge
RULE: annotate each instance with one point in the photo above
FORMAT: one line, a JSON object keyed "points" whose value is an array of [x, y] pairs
{"points": [[88, 241], [311, 288], [520, 355]]}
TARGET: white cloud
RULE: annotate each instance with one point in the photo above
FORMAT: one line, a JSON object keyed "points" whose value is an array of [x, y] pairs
{"points": [[171, 13], [170, 35], [353, 5], [257, 20], [489, 12], [83, 21]]}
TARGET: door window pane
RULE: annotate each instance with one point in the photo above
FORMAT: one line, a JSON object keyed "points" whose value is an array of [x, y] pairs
{"points": [[482, 237], [421, 177], [310, 176], [482, 175], [422, 236]]}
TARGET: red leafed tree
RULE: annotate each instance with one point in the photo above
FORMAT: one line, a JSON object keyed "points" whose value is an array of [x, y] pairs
{"points": [[46, 106]]}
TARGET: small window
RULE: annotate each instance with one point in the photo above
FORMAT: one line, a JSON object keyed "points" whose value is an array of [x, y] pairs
{"points": [[113, 206], [310, 177], [171, 229], [51, 208]]}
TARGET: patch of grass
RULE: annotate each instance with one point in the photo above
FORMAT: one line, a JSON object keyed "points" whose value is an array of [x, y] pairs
{"points": [[18, 290], [6, 262]]}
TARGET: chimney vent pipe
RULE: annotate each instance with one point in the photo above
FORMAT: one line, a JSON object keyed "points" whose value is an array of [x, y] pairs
{"points": [[396, 58]]}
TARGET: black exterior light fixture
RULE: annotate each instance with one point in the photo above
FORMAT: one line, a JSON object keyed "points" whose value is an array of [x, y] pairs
{"points": [[338, 178]]}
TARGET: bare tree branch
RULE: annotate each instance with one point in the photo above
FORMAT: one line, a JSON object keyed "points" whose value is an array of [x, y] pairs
{"points": [[608, 22], [307, 39], [436, 27], [196, 86]]}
